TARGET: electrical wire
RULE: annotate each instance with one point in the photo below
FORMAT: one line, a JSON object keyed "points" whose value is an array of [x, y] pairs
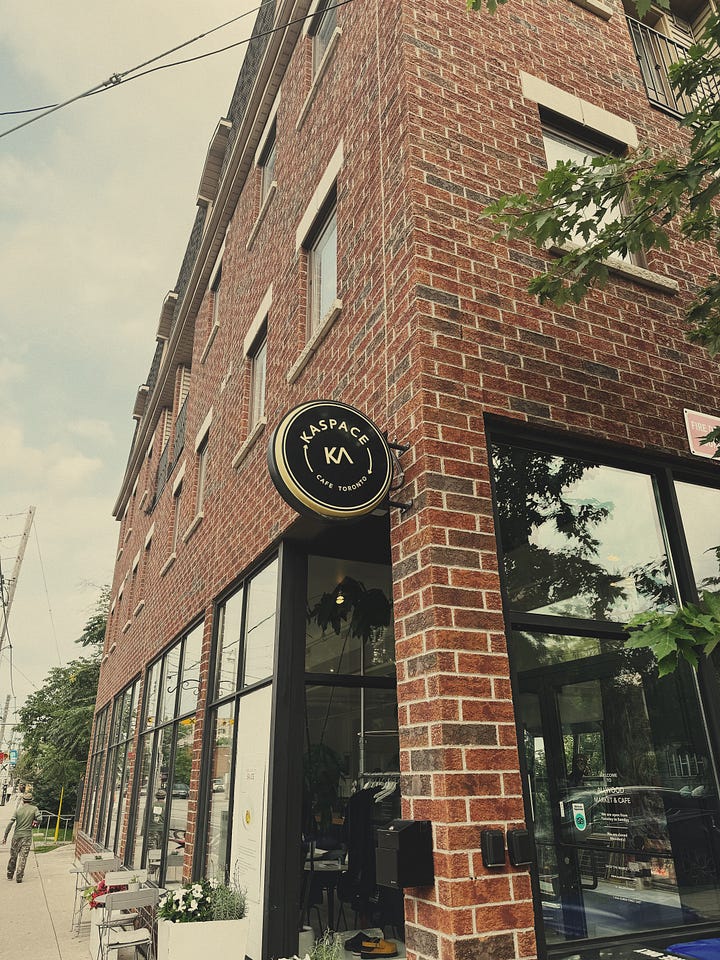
{"points": [[118, 79], [47, 595]]}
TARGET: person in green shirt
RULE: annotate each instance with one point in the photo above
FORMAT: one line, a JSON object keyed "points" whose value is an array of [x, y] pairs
{"points": [[23, 818]]}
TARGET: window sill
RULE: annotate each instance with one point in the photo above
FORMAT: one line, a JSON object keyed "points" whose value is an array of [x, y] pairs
{"points": [[168, 563], [209, 342], [120, 553], [319, 73], [596, 6], [249, 442], [631, 271], [261, 216], [193, 527], [128, 535], [128, 624], [314, 342], [143, 498], [138, 608]]}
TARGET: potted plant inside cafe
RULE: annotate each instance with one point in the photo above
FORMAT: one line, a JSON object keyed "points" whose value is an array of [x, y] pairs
{"points": [[202, 919]]}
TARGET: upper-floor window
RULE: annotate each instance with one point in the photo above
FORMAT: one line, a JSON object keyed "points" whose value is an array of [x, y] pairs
{"points": [[267, 164], [560, 147], [201, 473], [258, 362], [215, 291], [322, 33], [322, 269]]}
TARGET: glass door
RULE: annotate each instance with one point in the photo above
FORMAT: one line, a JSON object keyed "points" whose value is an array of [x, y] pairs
{"points": [[619, 787]]}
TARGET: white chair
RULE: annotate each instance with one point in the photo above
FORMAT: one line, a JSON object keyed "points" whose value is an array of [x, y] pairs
{"points": [[118, 931], [84, 868]]}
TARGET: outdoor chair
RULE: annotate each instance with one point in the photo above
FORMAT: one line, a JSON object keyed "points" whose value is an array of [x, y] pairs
{"points": [[84, 869], [119, 927]]}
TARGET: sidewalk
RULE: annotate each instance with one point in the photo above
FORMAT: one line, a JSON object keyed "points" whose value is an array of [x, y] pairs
{"points": [[36, 913]]}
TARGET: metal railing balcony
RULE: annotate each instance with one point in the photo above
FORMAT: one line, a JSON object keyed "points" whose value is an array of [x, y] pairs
{"points": [[655, 53]]}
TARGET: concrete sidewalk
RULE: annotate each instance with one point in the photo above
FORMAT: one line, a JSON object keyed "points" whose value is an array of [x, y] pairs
{"points": [[37, 912]]}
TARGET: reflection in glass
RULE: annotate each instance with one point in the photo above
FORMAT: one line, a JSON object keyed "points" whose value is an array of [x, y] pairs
{"points": [[190, 685], [700, 512], [170, 683], [178, 790], [228, 644], [260, 631], [142, 775], [350, 627], [152, 691], [621, 790], [223, 722], [579, 539]]}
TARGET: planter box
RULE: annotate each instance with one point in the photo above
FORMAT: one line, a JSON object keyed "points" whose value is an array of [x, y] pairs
{"points": [[214, 938]]}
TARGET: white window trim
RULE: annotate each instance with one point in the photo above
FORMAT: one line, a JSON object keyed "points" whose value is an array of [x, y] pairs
{"points": [[136, 562], [317, 79], [314, 342], [179, 477], [581, 111], [197, 519], [258, 320], [249, 442], [327, 182], [597, 7], [261, 216], [168, 563], [148, 538], [138, 608], [620, 267], [268, 128], [204, 430]]}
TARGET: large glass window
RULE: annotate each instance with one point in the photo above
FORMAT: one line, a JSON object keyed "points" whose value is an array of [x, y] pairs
{"points": [[92, 789], [164, 765], [322, 33], [351, 754], [700, 512], [244, 658], [239, 743], [579, 539], [116, 780], [618, 778]]}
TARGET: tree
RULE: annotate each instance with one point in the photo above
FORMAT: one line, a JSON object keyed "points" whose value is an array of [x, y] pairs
{"points": [[653, 194], [56, 720]]}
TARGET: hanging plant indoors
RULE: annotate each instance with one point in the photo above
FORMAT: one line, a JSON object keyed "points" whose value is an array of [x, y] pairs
{"points": [[351, 604]]}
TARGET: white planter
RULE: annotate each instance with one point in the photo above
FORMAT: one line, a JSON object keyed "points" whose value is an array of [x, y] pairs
{"points": [[214, 938]]}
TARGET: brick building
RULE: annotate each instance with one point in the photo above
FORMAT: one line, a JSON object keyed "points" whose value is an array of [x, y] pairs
{"points": [[279, 684]]}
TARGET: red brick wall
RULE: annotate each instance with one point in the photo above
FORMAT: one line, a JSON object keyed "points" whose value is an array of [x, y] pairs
{"points": [[436, 330]]}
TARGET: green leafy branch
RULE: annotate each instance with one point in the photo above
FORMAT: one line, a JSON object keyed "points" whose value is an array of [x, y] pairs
{"points": [[691, 632]]}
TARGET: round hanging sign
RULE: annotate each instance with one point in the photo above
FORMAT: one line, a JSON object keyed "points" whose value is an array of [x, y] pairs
{"points": [[328, 459]]}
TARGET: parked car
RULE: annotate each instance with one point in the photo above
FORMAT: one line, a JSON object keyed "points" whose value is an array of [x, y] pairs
{"points": [[181, 790], [218, 785]]}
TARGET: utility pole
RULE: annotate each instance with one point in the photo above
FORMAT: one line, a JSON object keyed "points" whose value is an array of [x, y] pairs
{"points": [[11, 584], [4, 720]]}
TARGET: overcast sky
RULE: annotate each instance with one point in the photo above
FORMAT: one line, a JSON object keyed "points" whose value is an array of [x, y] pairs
{"points": [[96, 204]]}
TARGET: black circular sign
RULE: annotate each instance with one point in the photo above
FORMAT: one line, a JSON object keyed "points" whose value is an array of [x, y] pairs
{"points": [[328, 459]]}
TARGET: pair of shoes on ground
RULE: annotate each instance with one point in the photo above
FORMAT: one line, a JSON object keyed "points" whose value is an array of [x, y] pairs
{"points": [[365, 946]]}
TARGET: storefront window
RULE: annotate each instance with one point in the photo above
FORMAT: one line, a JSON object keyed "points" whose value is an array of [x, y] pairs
{"points": [[223, 721], [116, 777], [351, 756], [619, 783], [700, 509], [96, 765], [165, 760], [579, 539]]}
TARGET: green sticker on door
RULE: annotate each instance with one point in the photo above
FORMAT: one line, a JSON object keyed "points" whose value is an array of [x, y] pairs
{"points": [[579, 818]]}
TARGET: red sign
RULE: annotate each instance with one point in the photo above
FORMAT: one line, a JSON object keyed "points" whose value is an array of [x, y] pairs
{"points": [[698, 425]]}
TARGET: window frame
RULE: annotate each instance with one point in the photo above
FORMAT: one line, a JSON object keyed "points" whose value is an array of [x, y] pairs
{"points": [[315, 247], [257, 355], [322, 29]]}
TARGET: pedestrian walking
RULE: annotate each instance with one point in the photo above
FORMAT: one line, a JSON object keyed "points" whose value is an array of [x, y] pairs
{"points": [[23, 818]]}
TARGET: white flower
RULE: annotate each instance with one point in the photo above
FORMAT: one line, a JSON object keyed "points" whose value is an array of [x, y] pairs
{"points": [[196, 890], [193, 904]]}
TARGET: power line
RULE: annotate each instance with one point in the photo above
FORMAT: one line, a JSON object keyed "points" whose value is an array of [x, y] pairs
{"points": [[118, 79], [47, 596]]}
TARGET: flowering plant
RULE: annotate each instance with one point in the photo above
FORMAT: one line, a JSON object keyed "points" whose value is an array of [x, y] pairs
{"points": [[203, 900], [192, 903], [92, 894]]}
